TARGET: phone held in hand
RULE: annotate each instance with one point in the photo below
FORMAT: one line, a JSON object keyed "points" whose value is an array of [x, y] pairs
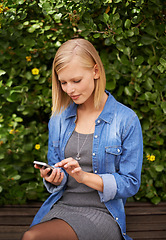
{"points": [[43, 165]]}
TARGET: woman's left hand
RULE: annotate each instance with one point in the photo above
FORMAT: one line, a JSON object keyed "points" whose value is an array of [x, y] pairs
{"points": [[73, 168]]}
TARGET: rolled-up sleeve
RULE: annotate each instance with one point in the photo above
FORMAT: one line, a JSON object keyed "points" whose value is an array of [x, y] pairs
{"points": [[52, 188], [108, 192]]}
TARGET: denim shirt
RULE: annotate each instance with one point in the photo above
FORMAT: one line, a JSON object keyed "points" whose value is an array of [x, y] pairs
{"points": [[116, 156]]}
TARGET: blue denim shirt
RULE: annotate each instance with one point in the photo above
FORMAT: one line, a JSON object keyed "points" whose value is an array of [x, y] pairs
{"points": [[116, 156]]}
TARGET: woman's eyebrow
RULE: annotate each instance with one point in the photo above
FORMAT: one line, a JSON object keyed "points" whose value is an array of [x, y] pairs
{"points": [[71, 79]]}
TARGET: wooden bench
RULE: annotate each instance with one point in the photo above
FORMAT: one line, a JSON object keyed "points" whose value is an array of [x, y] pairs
{"points": [[144, 220]]}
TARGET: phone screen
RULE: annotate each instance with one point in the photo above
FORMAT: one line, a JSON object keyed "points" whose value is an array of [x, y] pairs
{"points": [[43, 165]]}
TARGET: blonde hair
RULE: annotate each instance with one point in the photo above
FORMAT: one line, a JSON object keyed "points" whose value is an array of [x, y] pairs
{"points": [[89, 57]]}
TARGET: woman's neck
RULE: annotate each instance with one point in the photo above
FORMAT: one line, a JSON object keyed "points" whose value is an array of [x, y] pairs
{"points": [[89, 107], [86, 116]]}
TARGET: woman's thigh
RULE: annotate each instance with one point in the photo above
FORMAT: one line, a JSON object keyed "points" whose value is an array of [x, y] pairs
{"points": [[55, 229]]}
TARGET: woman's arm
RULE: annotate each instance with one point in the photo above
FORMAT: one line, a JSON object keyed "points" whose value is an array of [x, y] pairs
{"points": [[55, 181], [73, 168], [125, 182]]}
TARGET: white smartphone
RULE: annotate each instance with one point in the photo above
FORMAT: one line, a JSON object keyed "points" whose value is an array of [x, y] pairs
{"points": [[43, 165]]}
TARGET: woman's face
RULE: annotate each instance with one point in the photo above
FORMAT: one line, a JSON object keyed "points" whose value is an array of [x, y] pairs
{"points": [[78, 81]]}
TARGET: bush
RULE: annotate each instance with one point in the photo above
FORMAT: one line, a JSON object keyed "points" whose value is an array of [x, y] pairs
{"points": [[130, 38]]}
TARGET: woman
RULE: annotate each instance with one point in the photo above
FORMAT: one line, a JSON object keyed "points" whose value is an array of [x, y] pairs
{"points": [[95, 144]]}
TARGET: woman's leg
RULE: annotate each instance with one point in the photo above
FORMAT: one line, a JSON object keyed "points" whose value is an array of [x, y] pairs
{"points": [[55, 229]]}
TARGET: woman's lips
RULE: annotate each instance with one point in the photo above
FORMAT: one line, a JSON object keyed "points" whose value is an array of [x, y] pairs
{"points": [[75, 97]]}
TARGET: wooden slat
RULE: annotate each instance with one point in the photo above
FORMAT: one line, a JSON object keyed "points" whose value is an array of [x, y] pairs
{"points": [[144, 220]]}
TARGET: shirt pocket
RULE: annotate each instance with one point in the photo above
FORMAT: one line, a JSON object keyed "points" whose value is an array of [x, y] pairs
{"points": [[112, 157]]}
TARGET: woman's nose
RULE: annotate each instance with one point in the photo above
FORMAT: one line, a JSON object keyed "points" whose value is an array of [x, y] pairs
{"points": [[70, 89]]}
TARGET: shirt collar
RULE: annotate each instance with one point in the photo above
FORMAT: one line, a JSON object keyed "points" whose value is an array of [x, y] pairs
{"points": [[109, 109]]}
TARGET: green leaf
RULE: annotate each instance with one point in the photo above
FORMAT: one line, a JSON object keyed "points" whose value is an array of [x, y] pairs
{"points": [[2, 72], [127, 51], [161, 68], [127, 23], [18, 119], [117, 1], [148, 84], [163, 106], [159, 168], [156, 200], [137, 87], [57, 17], [20, 2], [105, 17], [146, 40], [111, 85], [139, 60], [163, 62], [150, 96], [97, 35], [144, 109], [150, 195], [128, 91]]}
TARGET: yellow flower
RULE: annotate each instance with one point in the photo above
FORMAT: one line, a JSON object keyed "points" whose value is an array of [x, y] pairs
{"points": [[1, 10], [35, 71], [152, 158], [11, 131], [28, 58], [37, 146]]}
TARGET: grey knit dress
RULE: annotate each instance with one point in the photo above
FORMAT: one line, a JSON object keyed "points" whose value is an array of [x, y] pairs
{"points": [[80, 205]]}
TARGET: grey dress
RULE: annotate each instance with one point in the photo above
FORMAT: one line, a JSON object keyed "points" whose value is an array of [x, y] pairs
{"points": [[80, 205]]}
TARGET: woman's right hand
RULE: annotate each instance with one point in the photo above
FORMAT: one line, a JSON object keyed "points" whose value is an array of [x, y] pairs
{"points": [[55, 177]]}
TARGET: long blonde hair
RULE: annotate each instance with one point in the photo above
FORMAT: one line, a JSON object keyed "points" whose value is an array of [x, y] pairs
{"points": [[89, 57]]}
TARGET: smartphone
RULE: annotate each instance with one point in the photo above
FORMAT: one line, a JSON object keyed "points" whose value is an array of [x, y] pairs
{"points": [[43, 165]]}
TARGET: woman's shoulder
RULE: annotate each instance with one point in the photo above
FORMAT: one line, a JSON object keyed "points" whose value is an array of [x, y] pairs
{"points": [[119, 108]]}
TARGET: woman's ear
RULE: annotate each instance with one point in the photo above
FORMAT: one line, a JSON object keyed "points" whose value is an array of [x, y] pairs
{"points": [[96, 72]]}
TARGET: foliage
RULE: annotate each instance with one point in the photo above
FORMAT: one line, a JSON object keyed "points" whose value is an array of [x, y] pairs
{"points": [[130, 37]]}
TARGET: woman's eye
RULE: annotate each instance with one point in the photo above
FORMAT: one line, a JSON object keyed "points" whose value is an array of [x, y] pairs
{"points": [[63, 83], [77, 81]]}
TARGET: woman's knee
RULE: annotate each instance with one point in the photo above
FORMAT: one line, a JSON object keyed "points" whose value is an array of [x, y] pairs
{"points": [[29, 235]]}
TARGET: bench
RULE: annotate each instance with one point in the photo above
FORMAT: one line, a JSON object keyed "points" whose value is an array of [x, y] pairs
{"points": [[144, 220]]}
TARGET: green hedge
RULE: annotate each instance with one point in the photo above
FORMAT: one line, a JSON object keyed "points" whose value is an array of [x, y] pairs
{"points": [[130, 38]]}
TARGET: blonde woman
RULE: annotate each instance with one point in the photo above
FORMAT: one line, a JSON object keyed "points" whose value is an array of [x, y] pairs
{"points": [[95, 145]]}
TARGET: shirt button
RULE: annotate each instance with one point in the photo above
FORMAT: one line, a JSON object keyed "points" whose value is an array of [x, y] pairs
{"points": [[94, 154], [96, 136], [98, 121], [124, 234], [118, 150], [95, 171], [117, 218]]}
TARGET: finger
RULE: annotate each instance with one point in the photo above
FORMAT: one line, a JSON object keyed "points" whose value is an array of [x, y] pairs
{"points": [[50, 177], [57, 175], [63, 162], [72, 163], [37, 166], [44, 172], [76, 170]]}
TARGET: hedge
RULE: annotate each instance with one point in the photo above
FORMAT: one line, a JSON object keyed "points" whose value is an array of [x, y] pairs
{"points": [[130, 38]]}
